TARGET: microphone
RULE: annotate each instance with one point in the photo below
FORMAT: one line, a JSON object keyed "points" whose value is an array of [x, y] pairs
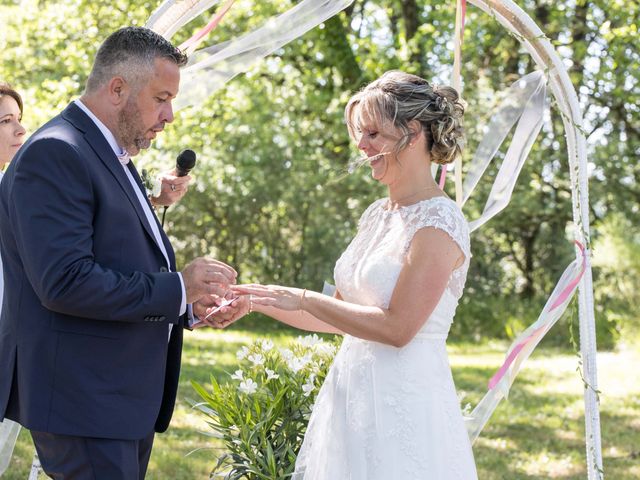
{"points": [[185, 162]]}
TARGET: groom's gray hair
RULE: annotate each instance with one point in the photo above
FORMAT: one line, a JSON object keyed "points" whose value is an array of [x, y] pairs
{"points": [[130, 53]]}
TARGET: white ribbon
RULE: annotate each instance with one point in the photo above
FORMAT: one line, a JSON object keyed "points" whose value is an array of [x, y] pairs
{"points": [[527, 341], [208, 69], [524, 104], [173, 14], [8, 434]]}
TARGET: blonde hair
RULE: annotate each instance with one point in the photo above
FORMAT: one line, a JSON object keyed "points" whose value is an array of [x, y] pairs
{"points": [[400, 97]]}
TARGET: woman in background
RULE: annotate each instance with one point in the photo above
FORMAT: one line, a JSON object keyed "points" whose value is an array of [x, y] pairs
{"points": [[11, 130], [11, 138]]}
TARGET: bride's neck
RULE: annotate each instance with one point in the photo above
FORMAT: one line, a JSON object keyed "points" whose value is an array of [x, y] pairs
{"points": [[408, 193]]}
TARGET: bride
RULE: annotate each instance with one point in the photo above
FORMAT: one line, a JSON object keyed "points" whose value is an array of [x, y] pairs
{"points": [[388, 408]]}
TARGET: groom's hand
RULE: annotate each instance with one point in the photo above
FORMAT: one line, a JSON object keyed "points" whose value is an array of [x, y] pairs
{"points": [[172, 189], [206, 276], [221, 312], [202, 306]]}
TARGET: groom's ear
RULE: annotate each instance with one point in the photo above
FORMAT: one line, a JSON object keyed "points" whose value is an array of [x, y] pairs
{"points": [[118, 91]]}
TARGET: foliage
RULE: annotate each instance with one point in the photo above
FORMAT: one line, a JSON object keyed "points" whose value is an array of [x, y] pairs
{"points": [[617, 267], [271, 195], [261, 415]]}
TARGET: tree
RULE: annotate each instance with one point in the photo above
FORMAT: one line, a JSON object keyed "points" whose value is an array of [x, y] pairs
{"points": [[272, 195]]}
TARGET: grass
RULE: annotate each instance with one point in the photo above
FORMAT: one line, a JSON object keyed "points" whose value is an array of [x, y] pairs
{"points": [[538, 433]]}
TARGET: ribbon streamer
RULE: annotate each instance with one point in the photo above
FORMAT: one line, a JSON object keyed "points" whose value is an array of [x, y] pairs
{"points": [[525, 104], [171, 15], [208, 69], [8, 434], [525, 343], [192, 44], [456, 82]]}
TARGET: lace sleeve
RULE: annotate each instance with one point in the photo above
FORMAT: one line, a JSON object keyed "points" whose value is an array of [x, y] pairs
{"points": [[443, 214], [364, 218]]}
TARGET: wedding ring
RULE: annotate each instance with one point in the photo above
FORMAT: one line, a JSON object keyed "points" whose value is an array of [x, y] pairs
{"points": [[173, 187]]}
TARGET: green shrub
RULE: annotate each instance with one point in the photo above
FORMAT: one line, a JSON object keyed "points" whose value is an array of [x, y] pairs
{"points": [[261, 412]]}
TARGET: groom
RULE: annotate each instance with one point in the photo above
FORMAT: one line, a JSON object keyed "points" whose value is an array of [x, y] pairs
{"points": [[94, 310]]}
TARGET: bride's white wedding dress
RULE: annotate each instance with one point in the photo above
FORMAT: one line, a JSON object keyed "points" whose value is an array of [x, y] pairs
{"points": [[387, 413]]}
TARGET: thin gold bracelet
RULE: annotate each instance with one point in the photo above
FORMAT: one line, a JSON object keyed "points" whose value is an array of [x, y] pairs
{"points": [[304, 292]]}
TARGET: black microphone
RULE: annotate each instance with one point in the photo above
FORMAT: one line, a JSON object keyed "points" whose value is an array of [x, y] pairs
{"points": [[185, 162]]}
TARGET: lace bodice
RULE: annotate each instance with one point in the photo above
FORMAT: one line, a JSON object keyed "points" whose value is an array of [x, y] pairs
{"points": [[368, 270]]}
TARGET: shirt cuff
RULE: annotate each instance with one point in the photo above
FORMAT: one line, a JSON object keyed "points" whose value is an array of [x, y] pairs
{"points": [[191, 318], [183, 303]]}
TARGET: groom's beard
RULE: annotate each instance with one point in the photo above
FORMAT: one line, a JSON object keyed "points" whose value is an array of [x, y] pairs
{"points": [[131, 130]]}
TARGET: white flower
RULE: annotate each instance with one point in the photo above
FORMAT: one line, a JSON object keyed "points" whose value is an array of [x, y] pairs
{"points": [[286, 354], [326, 349], [238, 375], [248, 386], [242, 353], [315, 367], [271, 374], [156, 186], [309, 387], [296, 363], [256, 359], [267, 345], [309, 340]]}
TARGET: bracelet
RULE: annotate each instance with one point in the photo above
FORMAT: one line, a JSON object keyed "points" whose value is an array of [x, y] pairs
{"points": [[250, 304], [304, 292]]}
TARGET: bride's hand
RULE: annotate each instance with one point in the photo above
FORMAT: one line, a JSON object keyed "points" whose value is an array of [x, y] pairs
{"points": [[283, 298], [220, 312]]}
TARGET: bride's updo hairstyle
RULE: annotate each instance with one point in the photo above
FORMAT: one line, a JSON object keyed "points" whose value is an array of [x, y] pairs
{"points": [[399, 98]]}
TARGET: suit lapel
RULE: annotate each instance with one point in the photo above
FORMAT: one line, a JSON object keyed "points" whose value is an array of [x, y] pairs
{"points": [[103, 150], [163, 235]]}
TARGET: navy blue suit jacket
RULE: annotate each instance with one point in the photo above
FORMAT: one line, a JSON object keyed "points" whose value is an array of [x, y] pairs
{"points": [[84, 346]]}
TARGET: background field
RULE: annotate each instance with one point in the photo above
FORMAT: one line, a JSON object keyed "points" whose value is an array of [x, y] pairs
{"points": [[537, 434]]}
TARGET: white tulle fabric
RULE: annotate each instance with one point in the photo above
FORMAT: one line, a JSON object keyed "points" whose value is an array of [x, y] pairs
{"points": [[383, 412]]}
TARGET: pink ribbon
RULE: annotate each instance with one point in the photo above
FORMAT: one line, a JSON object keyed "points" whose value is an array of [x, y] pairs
{"points": [[462, 10], [197, 38], [443, 176], [574, 283], [563, 296]]}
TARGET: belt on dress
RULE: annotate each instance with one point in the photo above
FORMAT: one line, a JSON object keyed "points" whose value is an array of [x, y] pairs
{"points": [[432, 336]]}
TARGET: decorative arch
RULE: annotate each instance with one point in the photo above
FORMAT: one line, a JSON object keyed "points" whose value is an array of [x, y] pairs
{"points": [[516, 21]]}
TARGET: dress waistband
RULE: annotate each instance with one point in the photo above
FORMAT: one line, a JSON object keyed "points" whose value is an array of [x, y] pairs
{"points": [[431, 336]]}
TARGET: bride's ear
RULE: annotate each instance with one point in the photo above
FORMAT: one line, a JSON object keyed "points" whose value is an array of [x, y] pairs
{"points": [[415, 129]]}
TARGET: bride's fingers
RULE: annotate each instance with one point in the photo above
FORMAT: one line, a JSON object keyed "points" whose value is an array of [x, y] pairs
{"points": [[257, 300], [247, 286], [259, 290]]}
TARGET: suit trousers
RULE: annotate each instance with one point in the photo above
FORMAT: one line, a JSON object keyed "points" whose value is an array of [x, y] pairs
{"points": [[65, 457]]}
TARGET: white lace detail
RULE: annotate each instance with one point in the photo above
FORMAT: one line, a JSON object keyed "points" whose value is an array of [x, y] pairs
{"points": [[384, 237], [385, 412], [443, 214]]}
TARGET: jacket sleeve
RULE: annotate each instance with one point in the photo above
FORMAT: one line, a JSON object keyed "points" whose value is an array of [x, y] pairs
{"points": [[52, 213]]}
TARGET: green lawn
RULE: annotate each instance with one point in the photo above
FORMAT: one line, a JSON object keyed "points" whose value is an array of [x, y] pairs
{"points": [[537, 434]]}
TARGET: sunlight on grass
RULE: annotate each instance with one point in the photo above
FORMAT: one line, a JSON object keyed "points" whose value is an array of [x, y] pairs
{"points": [[550, 465], [538, 433]]}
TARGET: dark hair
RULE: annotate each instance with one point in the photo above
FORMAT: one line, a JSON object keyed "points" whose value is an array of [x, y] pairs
{"points": [[7, 90], [131, 52], [399, 98]]}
